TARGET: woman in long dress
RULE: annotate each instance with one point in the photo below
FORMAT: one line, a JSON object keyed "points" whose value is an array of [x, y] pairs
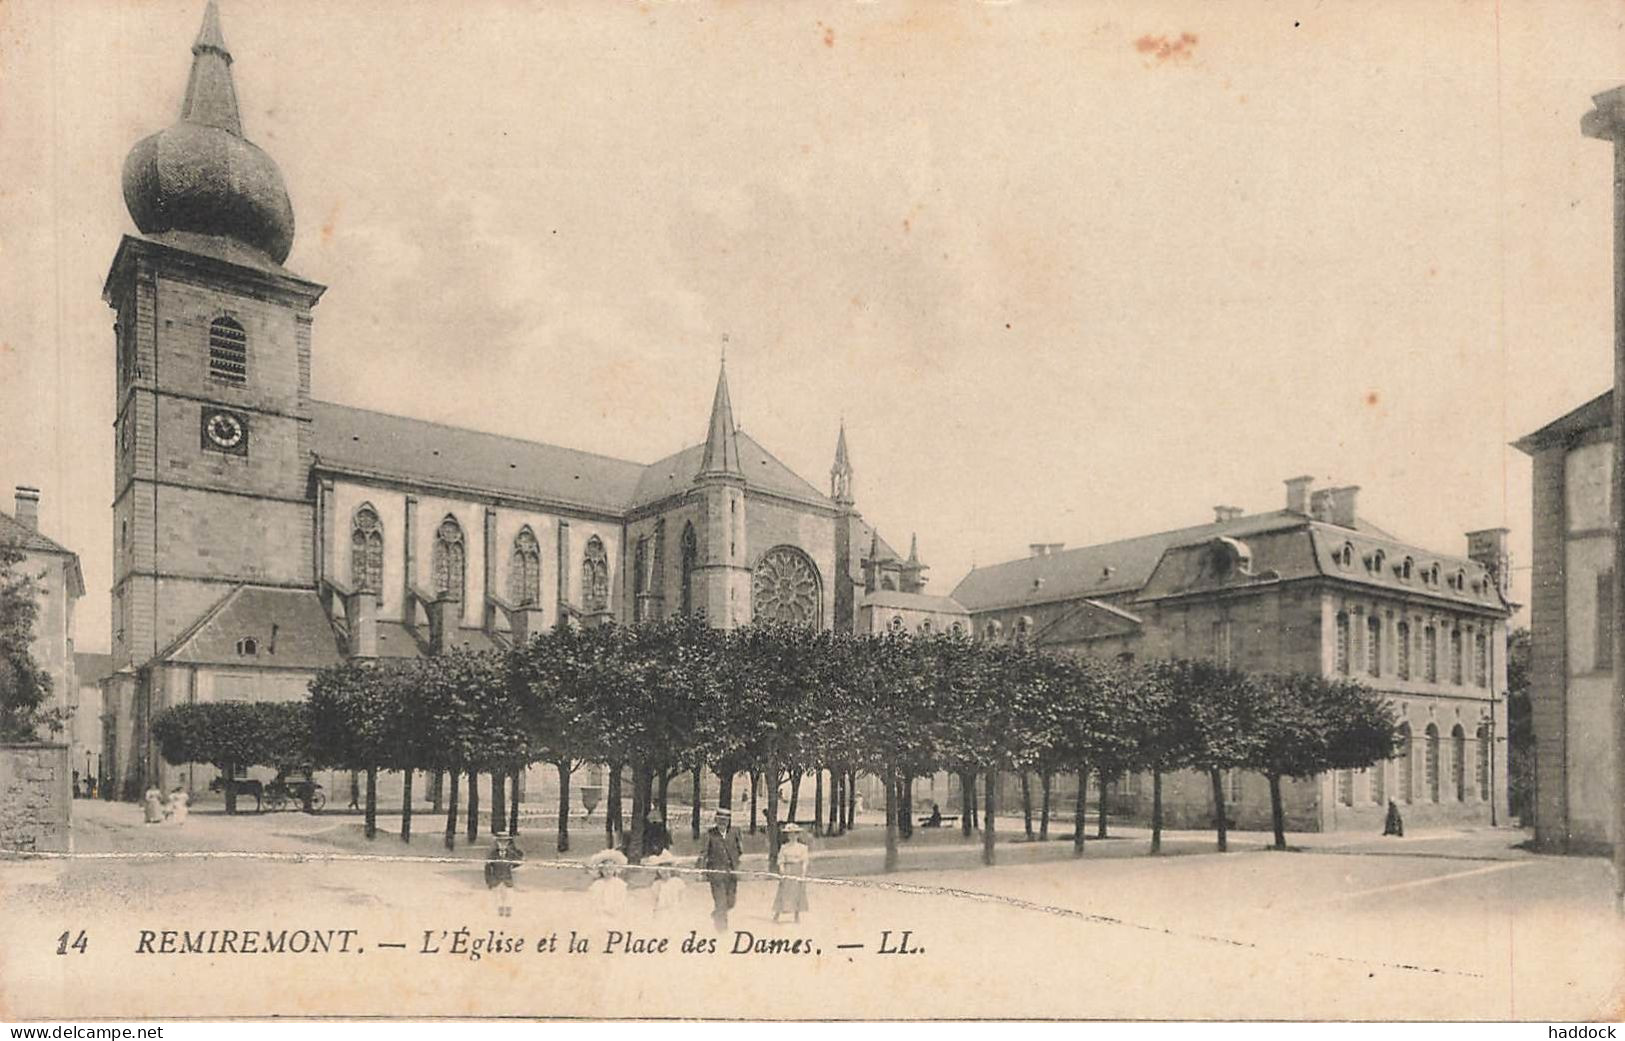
{"points": [[608, 894], [153, 802], [794, 859], [668, 888], [179, 801]]}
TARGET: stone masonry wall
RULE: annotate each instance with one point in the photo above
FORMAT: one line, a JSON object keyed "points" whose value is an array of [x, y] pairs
{"points": [[35, 797]]}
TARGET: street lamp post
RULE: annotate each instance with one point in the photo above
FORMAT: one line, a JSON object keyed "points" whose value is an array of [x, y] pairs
{"points": [[1607, 122]]}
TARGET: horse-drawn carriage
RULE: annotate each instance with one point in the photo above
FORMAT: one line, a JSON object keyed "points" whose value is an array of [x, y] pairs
{"points": [[289, 789]]}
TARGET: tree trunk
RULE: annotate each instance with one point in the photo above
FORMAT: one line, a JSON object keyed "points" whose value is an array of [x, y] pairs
{"points": [[451, 812], [1046, 780], [1156, 811], [772, 814], [371, 827], [1100, 799], [473, 805], [837, 801], [967, 802], [818, 800], [406, 805], [795, 794], [1218, 810], [1277, 812], [228, 771], [513, 803], [499, 804], [891, 818], [613, 821], [1080, 808], [905, 797], [1027, 804], [725, 789], [990, 785], [665, 790], [640, 811], [435, 787], [851, 799], [563, 766], [694, 810], [755, 782]]}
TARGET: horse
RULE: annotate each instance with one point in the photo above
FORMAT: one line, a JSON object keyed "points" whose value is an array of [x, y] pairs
{"points": [[240, 788]]}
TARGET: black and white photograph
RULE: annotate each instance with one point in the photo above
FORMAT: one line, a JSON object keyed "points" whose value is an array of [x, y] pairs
{"points": [[887, 510]]}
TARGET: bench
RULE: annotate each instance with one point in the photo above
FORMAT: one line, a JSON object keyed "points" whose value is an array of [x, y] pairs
{"points": [[948, 820]]}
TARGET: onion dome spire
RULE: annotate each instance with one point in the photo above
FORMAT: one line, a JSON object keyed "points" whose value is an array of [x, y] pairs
{"points": [[201, 176]]}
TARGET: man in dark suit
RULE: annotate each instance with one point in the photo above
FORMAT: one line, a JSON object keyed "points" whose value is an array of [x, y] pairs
{"points": [[723, 849]]}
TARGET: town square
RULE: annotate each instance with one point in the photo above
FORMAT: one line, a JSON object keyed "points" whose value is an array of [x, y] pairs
{"points": [[887, 511]]}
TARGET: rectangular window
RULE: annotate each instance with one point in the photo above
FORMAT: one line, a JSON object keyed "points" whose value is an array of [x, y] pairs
{"points": [[1604, 661], [1481, 660], [1455, 656], [1221, 642], [1373, 645], [1341, 654], [1430, 654], [1402, 650]]}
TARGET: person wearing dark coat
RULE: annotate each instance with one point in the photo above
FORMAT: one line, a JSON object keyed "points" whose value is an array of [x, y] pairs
{"points": [[1393, 825], [724, 847], [499, 865]]}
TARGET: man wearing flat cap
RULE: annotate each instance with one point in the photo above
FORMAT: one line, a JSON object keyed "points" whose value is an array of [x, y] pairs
{"points": [[723, 849]]}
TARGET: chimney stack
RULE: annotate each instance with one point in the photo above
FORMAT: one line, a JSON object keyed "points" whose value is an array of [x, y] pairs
{"points": [[1297, 493], [1224, 514], [28, 507], [1489, 548]]}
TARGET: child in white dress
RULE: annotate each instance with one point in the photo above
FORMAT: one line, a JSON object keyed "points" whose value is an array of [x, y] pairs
{"points": [[668, 887], [607, 894]]}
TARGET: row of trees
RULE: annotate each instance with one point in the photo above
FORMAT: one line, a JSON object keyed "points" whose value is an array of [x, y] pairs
{"points": [[777, 701]]}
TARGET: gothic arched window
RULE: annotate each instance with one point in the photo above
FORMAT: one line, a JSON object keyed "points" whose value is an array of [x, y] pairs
{"points": [[228, 351], [366, 550], [595, 577], [691, 560], [449, 560], [785, 588], [525, 570]]}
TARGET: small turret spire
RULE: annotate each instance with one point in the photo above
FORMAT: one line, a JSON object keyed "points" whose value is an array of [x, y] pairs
{"points": [[211, 98], [840, 474], [721, 444], [914, 547]]}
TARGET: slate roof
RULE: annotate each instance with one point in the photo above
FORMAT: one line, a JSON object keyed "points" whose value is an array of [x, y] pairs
{"points": [[1094, 571], [376, 444], [290, 628], [360, 441], [913, 602], [763, 472], [14, 532], [1594, 414], [1127, 566]]}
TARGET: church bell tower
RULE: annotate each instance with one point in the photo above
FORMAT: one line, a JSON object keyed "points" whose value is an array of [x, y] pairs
{"points": [[212, 333], [723, 572]]}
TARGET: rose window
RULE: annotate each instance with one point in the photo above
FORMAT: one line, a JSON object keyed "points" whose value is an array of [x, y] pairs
{"points": [[785, 588]]}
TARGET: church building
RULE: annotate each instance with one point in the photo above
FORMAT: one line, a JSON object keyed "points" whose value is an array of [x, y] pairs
{"points": [[261, 534]]}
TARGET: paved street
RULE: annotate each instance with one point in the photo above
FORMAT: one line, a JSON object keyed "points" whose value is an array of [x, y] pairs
{"points": [[1457, 925]]}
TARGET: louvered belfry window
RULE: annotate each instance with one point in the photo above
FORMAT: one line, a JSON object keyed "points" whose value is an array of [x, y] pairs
{"points": [[228, 351]]}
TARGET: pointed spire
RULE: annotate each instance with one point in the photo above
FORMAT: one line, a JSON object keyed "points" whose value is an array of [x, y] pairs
{"points": [[721, 445], [211, 99], [914, 547], [840, 474]]}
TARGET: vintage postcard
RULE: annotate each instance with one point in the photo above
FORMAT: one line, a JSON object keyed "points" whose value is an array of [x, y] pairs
{"points": [[688, 509]]}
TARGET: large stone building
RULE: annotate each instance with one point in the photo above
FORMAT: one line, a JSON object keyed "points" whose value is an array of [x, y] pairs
{"points": [[1571, 675], [58, 585], [261, 534], [1312, 587]]}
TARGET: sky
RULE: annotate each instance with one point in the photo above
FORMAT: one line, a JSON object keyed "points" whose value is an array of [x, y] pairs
{"points": [[1070, 271]]}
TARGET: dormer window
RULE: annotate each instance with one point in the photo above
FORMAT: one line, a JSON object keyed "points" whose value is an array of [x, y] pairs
{"points": [[1378, 558], [248, 647], [1344, 556], [1406, 569]]}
